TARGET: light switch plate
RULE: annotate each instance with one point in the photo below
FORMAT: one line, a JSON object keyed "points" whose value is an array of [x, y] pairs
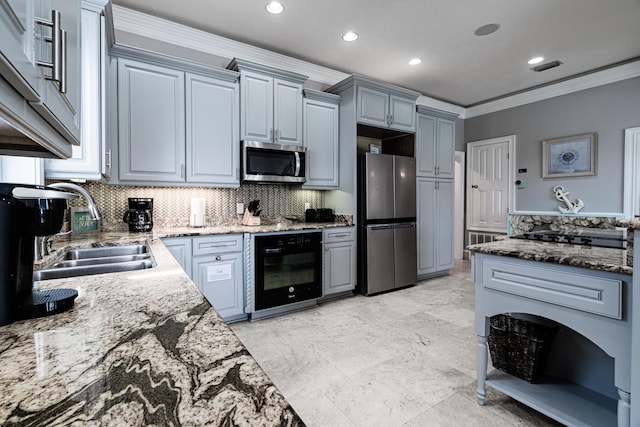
{"points": [[239, 208], [307, 206]]}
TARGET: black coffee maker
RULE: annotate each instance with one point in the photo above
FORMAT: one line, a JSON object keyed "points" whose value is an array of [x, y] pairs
{"points": [[139, 216], [27, 211]]}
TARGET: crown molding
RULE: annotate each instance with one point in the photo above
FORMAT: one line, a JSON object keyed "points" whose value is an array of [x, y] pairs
{"points": [[163, 30], [144, 25], [598, 78]]}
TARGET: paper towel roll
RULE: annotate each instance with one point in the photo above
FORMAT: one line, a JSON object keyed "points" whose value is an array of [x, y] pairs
{"points": [[197, 212]]}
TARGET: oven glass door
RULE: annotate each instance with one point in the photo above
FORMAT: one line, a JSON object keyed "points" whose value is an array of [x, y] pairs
{"points": [[287, 272]]}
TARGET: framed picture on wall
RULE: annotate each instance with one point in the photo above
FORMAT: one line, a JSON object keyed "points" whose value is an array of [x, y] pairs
{"points": [[569, 156]]}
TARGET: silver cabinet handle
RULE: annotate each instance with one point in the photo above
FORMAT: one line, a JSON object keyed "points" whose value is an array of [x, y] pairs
{"points": [[182, 170], [271, 135], [390, 119], [437, 170], [437, 185], [58, 42], [276, 135], [108, 159]]}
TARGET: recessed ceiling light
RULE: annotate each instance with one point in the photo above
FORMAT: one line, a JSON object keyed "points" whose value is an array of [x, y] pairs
{"points": [[415, 61], [349, 36], [274, 7], [535, 60], [485, 30]]}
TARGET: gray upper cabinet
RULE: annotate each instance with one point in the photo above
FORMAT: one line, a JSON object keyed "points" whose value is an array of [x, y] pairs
{"points": [[380, 104], [321, 139], [46, 111], [177, 121], [88, 159], [270, 104], [213, 149], [381, 109], [435, 143], [151, 120]]}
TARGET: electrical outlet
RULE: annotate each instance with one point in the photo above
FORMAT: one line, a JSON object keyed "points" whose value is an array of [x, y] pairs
{"points": [[307, 206], [239, 208]]}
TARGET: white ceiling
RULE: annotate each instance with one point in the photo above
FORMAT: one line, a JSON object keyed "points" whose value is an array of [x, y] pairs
{"points": [[457, 67]]}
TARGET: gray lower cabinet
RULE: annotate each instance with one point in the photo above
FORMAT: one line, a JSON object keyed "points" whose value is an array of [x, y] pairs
{"points": [[176, 126], [434, 201], [321, 139], [590, 359], [180, 248], [151, 122], [218, 265], [435, 146], [339, 260]]}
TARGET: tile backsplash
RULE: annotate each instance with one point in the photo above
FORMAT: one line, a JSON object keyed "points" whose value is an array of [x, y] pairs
{"points": [[172, 205]]}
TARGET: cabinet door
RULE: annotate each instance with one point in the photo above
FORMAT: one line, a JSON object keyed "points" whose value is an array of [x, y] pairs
{"points": [[16, 46], [321, 140], [426, 146], [444, 227], [60, 109], [213, 147], [86, 160], [150, 122], [180, 248], [426, 222], [372, 107], [287, 112], [339, 267], [445, 149], [220, 280], [256, 107], [403, 113]]}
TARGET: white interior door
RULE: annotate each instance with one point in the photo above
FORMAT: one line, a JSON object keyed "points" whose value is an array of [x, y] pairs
{"points": [[491, 172]]}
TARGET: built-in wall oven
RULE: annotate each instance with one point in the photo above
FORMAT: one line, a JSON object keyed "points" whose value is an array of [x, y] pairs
{"points": [[288, 268]]}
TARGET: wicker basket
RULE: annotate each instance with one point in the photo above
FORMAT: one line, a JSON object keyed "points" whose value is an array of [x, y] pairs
{"points": [[520, 347]]}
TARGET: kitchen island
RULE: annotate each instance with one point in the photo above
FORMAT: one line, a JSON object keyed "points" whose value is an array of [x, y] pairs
{"points": [[585, 290], [140, 347]]}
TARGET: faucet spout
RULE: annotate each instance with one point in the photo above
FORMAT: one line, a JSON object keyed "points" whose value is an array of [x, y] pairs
{"points": [[93, 208]]}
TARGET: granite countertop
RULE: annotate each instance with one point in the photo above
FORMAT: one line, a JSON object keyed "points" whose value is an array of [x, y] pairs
{"points": [[592, 257], [141, 347]]}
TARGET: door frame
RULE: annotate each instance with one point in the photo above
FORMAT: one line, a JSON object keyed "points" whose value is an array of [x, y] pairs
{"points": [[511, 194], [631, 170], [459, 205]]}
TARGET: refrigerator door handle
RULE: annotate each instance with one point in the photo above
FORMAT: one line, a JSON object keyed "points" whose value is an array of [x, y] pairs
{"points": [[380, 227], [406, 225]]}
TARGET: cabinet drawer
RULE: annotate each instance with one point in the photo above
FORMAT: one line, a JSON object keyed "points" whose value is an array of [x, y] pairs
{"points": [[217, 244], [339, 234], [584, 292]]}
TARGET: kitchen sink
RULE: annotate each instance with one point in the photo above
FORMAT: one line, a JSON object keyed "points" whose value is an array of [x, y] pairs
{"points": [[99, 260]]}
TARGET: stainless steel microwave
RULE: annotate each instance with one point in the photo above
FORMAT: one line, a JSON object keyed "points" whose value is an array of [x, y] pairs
{"points": [[266, 162]]}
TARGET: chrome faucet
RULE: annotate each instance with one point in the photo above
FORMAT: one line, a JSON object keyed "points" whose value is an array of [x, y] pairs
{"points": [[42, 244], [93, 208]]}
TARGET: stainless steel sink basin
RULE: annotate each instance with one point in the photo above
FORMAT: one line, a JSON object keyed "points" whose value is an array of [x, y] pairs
{"points": [[99, 260]]}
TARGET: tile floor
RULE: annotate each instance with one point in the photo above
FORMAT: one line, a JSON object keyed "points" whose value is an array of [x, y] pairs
{"points": [[405, 358]]}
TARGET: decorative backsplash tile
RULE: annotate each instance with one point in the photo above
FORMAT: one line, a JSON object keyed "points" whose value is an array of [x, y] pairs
{"points": [[172, 205]]}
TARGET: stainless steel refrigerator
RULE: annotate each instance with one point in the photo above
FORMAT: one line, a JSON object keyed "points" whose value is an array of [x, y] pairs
{"points": [[387, 256]]}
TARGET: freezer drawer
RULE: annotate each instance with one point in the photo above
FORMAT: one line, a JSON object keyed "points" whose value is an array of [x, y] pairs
{"points": [[406, 261], [380, 261]]}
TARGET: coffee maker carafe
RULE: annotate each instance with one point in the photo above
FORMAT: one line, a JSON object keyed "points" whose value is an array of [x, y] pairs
{"points": [[139, 216]]}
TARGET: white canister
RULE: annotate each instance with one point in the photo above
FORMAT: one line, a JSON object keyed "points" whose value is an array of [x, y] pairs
{"points": [[197, 212]]}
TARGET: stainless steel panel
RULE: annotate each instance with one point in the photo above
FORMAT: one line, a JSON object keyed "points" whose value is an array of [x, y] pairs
{"points": [[378, 186], [404, 186], [380, 260], [405, 247]]}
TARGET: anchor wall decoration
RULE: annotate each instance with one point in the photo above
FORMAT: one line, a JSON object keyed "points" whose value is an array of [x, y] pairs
{"points": [[572, 207]]}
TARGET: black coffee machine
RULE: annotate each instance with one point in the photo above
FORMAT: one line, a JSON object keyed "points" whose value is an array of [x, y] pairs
{"points": [[27, 211], [139, 216]]}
